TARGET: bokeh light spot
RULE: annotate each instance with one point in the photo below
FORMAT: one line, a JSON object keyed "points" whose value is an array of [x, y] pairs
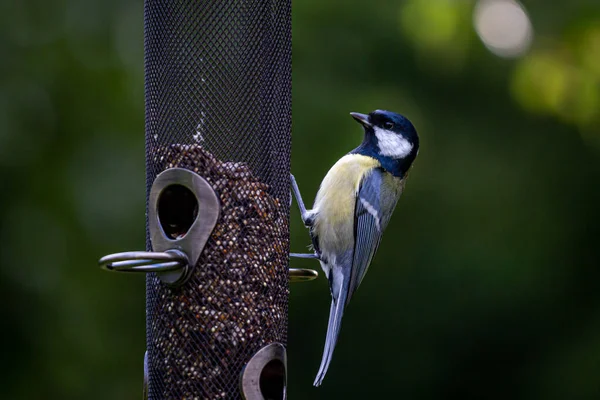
{"points": [[540, 83], [432, 23], [439, 30], [503, 26]]}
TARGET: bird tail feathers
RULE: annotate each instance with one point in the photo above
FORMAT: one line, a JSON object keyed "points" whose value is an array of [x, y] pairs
{"points": [[338, 304]]}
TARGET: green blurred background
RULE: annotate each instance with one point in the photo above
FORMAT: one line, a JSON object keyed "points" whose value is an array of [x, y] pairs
{"points": [[486, 283]]}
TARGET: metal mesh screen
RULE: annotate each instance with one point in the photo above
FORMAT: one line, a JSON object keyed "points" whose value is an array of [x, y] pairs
{"points": [[218, 102]]}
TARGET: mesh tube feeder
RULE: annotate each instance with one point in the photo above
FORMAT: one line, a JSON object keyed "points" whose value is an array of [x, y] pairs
{"points": [[218, 141]]}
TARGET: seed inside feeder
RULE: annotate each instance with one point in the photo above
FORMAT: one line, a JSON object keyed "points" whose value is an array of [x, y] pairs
{"points": [[233, 304]]}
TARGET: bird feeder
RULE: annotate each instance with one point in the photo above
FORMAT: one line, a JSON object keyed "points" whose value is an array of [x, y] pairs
{"points": [[218, 140]]}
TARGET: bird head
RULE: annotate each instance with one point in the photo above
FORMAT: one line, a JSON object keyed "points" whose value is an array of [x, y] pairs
{"points": [[391, 135]]}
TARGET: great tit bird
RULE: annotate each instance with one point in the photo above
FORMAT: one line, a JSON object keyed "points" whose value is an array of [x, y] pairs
{"points": [[353, 207]]}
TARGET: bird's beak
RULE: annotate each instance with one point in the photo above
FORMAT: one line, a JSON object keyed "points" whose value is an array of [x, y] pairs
{"points": [[363, 119]]}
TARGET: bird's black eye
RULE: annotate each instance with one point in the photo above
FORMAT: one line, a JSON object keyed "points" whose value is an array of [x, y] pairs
{"points": [[388, 125]]}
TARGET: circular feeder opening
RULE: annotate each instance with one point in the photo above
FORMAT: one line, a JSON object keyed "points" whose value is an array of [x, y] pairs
{"points": [[177, 210], [272, 380]]}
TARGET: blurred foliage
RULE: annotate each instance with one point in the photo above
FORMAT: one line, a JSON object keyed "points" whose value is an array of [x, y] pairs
{"points": [[486, 283]]}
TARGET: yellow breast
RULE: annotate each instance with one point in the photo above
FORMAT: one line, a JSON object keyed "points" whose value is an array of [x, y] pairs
{"points": [[334, 204]]}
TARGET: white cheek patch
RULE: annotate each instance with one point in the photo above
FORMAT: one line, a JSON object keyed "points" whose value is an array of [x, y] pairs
{"points": [[391, 144]]}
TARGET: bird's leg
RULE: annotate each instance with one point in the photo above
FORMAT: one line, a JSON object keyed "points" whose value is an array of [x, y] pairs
{"points": [[304, 214], [307, 218], [305, 255]]}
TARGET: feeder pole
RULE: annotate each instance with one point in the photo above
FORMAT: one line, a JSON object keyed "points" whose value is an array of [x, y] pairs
{"points": [[218, 141], [218, 75]]}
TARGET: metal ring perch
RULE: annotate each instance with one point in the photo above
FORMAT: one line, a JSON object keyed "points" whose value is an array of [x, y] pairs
{"points": [[302, 275], [171, 260], [144, 261]]}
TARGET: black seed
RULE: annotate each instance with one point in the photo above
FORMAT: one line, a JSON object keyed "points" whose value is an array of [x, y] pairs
{"points": [[202, 334]]}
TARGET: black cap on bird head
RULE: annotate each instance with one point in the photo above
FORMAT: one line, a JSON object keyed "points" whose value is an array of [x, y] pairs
{"points": [[389, 137]]}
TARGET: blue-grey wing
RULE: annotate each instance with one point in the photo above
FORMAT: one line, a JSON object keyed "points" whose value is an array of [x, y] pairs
{"points": [[375, 203]]}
